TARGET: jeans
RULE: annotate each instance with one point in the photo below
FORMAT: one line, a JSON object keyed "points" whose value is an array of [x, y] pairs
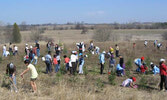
{"points": [[72, 69], [81, 68], [48, 66], [35, 61], [38, 52], [111, 68], [67, 66], [13, 83], [56, 68]]}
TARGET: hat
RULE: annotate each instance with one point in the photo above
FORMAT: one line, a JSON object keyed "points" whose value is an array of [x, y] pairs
{"points": [[104, 52], [151, 63], [80, 54], [30, 47], [142, 58], [161, 60], [134, 79], [26, 44]]}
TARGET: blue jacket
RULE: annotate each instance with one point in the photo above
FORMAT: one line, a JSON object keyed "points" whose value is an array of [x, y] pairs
{"points": [[119, 67], [156, 70], [138, 62], [102, 58]]}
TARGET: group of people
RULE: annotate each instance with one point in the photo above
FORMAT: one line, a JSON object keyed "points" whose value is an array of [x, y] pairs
{"points": [[75, 63], [156, 44], [13, 50]]}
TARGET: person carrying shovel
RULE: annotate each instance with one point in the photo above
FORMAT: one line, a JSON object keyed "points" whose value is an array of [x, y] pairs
{"points": [[11, 71]]}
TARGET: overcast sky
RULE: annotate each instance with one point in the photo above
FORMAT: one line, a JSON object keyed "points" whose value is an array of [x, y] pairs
{"points": [[89, 11]]}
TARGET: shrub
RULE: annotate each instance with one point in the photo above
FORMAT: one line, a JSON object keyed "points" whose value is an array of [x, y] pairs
{"points": [[85, 70], [0, 59], [99, 83], [111, 78]]}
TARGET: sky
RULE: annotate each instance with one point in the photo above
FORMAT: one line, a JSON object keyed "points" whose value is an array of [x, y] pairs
{"points": [[88, 11]]}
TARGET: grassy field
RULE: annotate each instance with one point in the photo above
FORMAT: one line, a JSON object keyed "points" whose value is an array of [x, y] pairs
{"points": [[68, 36], [91, 85]]}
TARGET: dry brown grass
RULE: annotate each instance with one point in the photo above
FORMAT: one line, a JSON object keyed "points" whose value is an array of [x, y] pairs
{"points": [[84, 87]]}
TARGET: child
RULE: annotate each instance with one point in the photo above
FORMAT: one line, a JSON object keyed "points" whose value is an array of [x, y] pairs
{"points": [[138, 62], [111, 65], [154, 68], [130, 82], [119, 70], [66, 62], [81, 63], [143, 68], [34, 74], [55, 63]]}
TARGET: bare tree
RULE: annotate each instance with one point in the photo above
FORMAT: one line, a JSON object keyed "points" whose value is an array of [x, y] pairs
{"points": [[23, 26], [36, 34], [102, 33]]}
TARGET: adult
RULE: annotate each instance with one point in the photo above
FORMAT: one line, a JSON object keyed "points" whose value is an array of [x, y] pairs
{"points": [[117, 50], [145, 43], [81, 63], [38, 48], [111, 65], [11, 71], [26, 49], [34, 74], [15, 51], [4, 51], [163, 74], [97, 49], [57, 49], [48, 62], [102, 61], [10, 48], [73, 60]]}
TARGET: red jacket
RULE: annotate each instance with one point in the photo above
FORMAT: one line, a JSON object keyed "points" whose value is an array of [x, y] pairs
{"points": [[163, 69], [143, 68]]}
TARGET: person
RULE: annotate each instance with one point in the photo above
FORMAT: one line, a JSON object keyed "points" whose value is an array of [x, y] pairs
{"points": [[38, 48], [138, 62], [58, 60], [117, 50], [111, 50], [81, 63], [34, 74], [97, 49], [155, 69], [66, 62], [4, 51], [134, 45], [48, 45], [79, 46], [130, 82], [34, 50], [11, 71], [159, 45], [155, 43], [145, 43], [111, 65], [31, 56], [55, 63], [102, 61], [163, 74], [121, 61], [15, 50], [10, 48], [48, 62], [26, 49], [119, 70], [143, 68], [57, 49], [73, 60]]}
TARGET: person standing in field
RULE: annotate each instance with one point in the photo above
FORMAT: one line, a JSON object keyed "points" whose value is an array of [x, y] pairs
{"points": [[15, 51], [48, 62], [73, 60], [38, 48], [26, 49], [66, 62], [163, 74], [11, 71], [102, 61], [81, 63], [55, 64], [111, 65], [145, 43], [155, 43], [10, 48], [4, 51], [117, 50], [34, 74]]}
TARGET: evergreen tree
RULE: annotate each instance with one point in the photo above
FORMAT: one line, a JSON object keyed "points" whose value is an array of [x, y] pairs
{"points": [[16, 34]]}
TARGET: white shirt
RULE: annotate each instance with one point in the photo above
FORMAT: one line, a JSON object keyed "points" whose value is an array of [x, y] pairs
{"points": [[4, 48], [16, 48], [73, 58]]}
